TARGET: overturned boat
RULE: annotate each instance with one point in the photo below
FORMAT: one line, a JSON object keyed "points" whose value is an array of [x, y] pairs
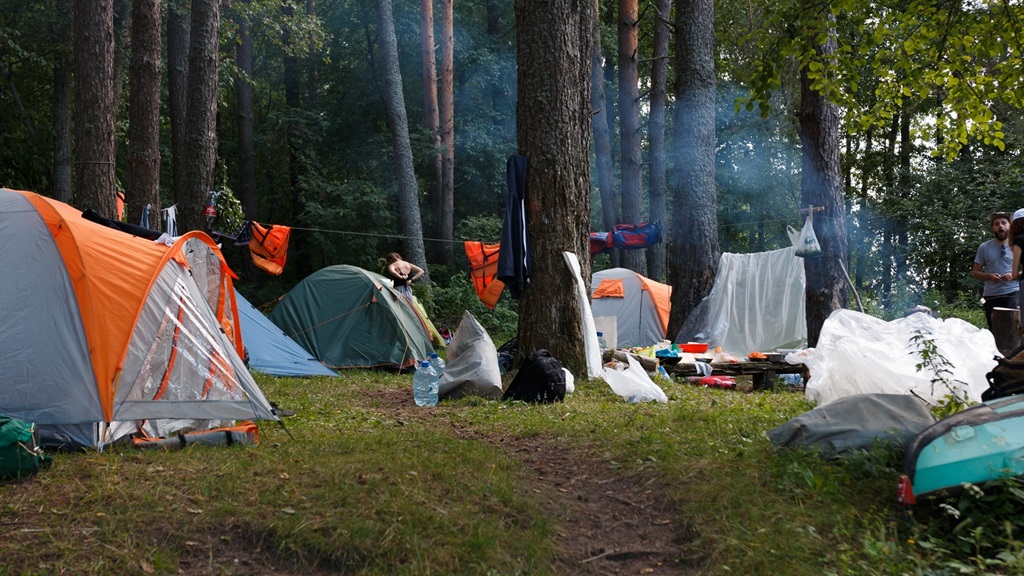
{"points": [[984, 442]]}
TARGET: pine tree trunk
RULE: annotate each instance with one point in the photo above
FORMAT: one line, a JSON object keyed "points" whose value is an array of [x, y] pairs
{"points": [[201, 127], [447, 104], [431, 117], [553, 121], [656, 136], [62, 71], [244, 97], [177, 90], [408, 202], [602, 137], [821, 186], [144, 113], [94, 106], [694, 249], [629, 127]]}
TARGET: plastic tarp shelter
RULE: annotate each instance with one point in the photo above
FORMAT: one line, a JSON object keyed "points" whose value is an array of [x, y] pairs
{"points": [[270, 350], [756, 304], [861, 354]]}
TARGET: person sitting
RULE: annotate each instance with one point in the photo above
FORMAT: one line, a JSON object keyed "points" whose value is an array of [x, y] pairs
{"points": [[402, 273]]}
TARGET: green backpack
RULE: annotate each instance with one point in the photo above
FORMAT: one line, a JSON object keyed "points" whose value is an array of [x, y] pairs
{"points": [[20, 455]]}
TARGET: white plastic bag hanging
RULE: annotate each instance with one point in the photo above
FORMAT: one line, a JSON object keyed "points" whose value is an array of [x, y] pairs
{"points": [[805, 242]]}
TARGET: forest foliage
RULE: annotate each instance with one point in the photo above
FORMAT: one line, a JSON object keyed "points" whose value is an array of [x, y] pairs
{"points": [[917, 206]]}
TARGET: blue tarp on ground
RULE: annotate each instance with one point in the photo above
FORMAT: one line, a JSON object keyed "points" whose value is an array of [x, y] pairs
{"points": [[271, 351]]}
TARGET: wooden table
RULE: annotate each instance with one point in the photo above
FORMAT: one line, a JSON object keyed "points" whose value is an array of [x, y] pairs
{"points": [[763, 374]]}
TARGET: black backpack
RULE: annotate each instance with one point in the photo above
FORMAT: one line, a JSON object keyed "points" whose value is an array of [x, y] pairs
{"points": [[540, 380]]}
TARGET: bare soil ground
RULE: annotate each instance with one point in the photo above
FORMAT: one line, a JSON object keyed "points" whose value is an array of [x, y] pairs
{"points": [[609, 521]]}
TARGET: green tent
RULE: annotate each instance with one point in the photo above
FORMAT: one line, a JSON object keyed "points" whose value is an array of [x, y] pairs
{"points": [[348, 317]]}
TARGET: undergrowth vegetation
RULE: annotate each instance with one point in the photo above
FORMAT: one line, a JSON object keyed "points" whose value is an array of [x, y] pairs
{"points": [[355, 484]]}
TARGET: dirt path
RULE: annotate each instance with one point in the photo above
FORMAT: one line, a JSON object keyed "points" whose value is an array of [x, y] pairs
{"points": [[609, 522]]}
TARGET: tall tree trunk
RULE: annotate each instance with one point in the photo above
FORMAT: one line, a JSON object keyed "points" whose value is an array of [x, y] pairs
{"points": [[431, 118], [94, 106], [144, 127], [553, 120], [62, 69], [821, 185], [656, 135], [694, 251], [177, 90], [408, 202], [243, 97], [447, 104], [201, 138], [300, 254], [602, 137], [629, 126]]}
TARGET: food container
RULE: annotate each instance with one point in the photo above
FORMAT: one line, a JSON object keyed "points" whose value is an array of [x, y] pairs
{"points": [[694, 347], [775, 357]]}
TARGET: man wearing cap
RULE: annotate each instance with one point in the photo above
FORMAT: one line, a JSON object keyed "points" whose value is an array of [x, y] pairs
{"points": [[993, 264]]}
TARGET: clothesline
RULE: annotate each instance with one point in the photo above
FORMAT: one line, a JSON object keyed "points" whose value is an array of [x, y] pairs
{"points": [[399, 236], [453, 241]]}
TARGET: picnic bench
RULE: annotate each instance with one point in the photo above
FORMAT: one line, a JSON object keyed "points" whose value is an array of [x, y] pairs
{"points": [[763, 374]]}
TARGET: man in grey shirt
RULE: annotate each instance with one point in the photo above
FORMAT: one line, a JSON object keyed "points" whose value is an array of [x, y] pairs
{"points": [[992, 264]]}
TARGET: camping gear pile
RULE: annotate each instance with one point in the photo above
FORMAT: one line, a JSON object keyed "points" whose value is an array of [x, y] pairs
{"points": [[109, 334]]}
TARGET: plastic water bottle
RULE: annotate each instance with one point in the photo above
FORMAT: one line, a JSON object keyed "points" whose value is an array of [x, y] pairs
{"points": [[424, 385], [601, 341], [437, 363]]}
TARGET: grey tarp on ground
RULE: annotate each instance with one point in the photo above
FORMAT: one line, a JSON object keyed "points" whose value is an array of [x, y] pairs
{"points": [[855, 422], [472, 364]]}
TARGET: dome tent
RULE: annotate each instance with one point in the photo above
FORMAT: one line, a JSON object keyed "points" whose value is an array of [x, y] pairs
{"points": [[639, 305], [270, 350], [105, 333], [348, 317]]}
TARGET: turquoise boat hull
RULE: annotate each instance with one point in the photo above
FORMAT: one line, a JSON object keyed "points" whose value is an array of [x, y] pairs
{"points": [[984, 442]]}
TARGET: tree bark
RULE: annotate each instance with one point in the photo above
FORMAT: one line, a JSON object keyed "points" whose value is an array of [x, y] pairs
{"points": [[62, 94], [244, 97], [602, 137], [694, 250], [144, 112], [553, 121], [629, 127], [201, 136], [94, 106], [656, 136], [431, 116], [821, 185], [408, 202], [178, 34], [447, 103]]}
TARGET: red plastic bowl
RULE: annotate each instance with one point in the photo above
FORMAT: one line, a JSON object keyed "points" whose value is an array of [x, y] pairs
{"points": [[694, 347]]}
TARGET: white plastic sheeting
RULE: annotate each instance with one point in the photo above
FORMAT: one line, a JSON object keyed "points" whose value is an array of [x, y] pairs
{"points": [[858, 354], [756, 304], [591, 347]]}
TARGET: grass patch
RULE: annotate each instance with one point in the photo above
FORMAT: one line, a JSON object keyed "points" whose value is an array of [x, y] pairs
{"points": [[364, 482]]}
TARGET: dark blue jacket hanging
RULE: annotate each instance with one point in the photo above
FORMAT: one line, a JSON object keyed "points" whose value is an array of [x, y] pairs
{"points": [[514, 262]]}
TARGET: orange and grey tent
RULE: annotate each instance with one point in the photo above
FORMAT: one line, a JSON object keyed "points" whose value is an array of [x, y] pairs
{"points": [[640, 305], [106, 334]]}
